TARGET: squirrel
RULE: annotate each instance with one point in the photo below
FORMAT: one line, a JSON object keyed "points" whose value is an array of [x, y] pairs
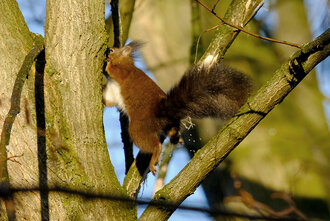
{"points": [[216, 91]]}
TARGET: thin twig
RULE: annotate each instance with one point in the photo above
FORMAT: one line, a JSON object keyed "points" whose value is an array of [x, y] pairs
{"points": [[248, 200], [247, 32], [286, 197], [11, 158], [215, 5]]}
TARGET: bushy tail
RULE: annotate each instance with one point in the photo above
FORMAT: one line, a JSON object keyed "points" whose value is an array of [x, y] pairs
{"points": [[218, 92]]}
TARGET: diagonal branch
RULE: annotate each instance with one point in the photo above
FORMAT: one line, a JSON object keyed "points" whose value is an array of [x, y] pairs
{"points": [[286, 78]]}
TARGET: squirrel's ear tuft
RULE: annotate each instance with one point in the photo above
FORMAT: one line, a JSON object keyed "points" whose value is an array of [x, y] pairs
{"points": [[135, 45], [129, 49], [126, 50]]}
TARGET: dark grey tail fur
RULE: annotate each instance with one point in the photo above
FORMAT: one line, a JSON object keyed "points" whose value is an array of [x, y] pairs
{"points": [[218, 92]]}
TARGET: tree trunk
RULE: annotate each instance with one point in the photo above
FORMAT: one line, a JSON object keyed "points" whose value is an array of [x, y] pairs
{"points": [[71, 131]]}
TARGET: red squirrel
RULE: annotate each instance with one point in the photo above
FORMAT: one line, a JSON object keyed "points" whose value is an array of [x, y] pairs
{"points": [[217, 91]]}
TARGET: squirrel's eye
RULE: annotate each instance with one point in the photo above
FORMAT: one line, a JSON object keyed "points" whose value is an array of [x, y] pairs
{"points": [[110, 50]]}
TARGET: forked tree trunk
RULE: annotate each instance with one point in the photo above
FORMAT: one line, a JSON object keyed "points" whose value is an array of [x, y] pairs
{"points": [[77, 156]]}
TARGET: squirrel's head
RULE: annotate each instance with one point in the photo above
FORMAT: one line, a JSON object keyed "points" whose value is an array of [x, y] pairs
{"points": [[124, 55]]}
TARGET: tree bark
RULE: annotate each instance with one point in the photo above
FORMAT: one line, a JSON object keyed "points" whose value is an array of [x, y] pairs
{"points": [[77, 151], [68, 148]]}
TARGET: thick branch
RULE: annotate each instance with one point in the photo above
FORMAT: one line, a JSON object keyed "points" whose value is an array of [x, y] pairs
{"points": [[217, 149]]}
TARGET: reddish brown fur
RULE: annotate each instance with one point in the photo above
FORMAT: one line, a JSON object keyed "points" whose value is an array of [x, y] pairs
{"points": [[141, 97]]}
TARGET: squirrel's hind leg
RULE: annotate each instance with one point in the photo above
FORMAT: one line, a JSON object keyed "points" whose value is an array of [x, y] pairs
{"points": [[155, 158], [148, 142]]}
